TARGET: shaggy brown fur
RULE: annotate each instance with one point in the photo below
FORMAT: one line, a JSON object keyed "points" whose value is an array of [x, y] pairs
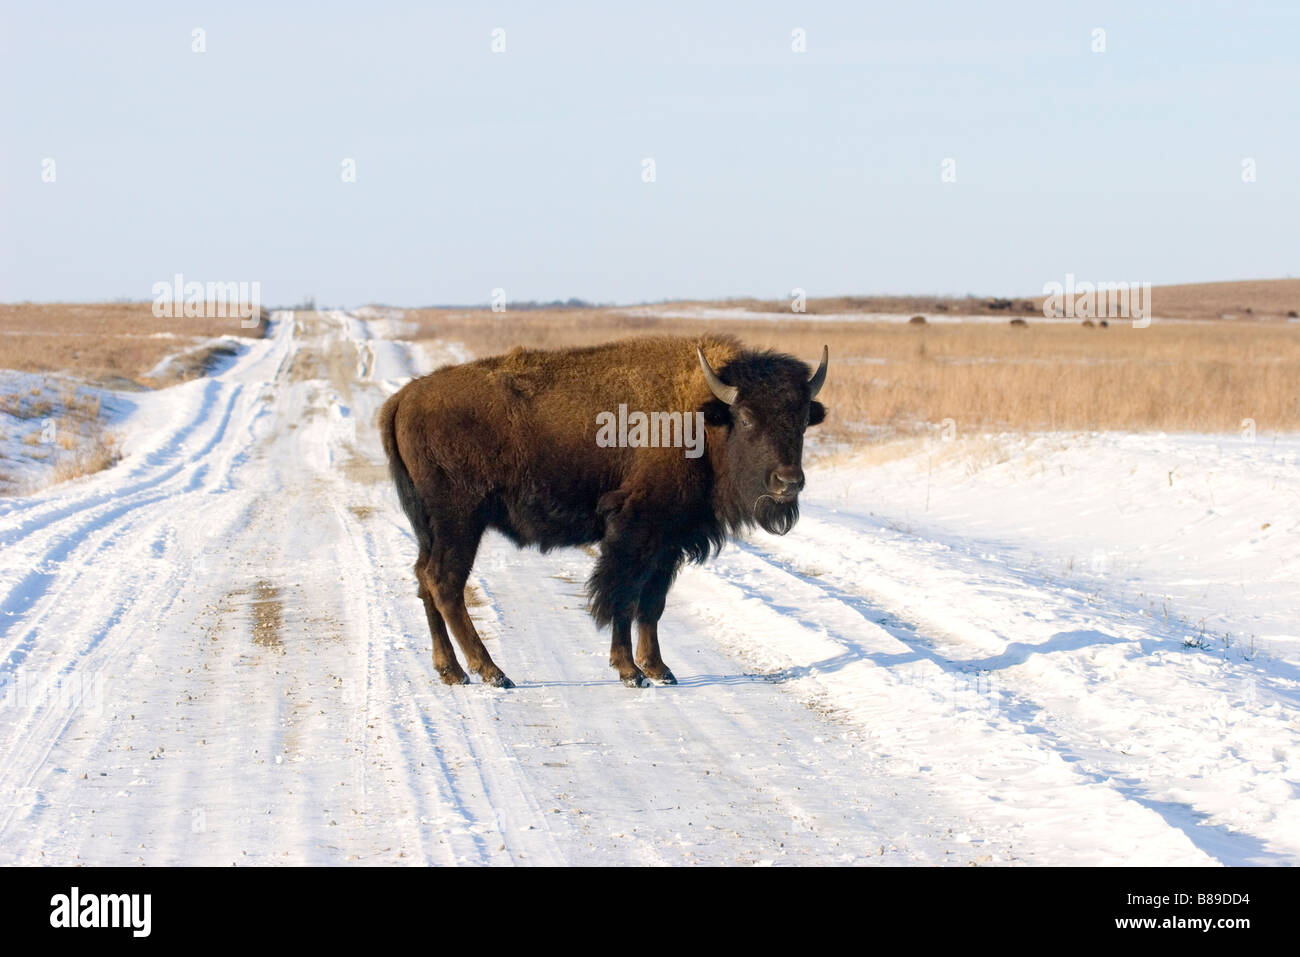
{"points": [[509, 442]]}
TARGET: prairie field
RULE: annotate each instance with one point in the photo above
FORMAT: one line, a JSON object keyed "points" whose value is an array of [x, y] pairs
{"points": [[113, 343], [1267, 299], [63, 366], [890, 378]]}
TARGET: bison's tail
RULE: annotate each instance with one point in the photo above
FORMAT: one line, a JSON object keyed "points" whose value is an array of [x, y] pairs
{"points": [[406, 493]]}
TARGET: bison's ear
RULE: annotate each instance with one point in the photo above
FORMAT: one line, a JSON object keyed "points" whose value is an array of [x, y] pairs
{"points": [[816, 413], [716, 412]]}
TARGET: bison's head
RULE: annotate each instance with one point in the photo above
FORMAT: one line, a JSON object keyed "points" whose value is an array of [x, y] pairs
{"points": [[763, 402]]}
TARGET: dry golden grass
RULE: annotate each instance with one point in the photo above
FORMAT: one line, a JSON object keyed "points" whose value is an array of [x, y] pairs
{"points": [[1256, 298], [98, 452], [104, 342], [888, 305], [1251, 299], [114, 344], [75, 403], [903, 379], [60, 423]]}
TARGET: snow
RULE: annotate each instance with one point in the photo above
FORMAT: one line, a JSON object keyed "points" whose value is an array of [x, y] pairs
{"points": [[36, 420], [984, 651], [170, 365]]}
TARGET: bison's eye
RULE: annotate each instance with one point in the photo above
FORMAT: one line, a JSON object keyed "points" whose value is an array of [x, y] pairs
{"points": [[746, 418]]}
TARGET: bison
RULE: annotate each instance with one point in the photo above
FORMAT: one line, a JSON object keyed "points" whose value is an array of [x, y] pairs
{"points": [[510, 443]]}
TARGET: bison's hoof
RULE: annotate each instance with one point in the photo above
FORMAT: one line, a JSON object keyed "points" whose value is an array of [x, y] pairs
{"points": [[450, 677], [498, 680], [637, 680], [666, 678]]}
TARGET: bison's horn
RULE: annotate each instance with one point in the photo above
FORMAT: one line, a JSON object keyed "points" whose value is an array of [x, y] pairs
{"points": [[727, 393], [819, 377]]}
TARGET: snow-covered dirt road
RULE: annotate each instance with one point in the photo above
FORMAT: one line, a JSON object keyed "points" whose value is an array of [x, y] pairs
{"points": [[213, 654]]}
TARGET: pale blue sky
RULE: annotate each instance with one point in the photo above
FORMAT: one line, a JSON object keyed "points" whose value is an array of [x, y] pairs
{"points": [[522, 170]]}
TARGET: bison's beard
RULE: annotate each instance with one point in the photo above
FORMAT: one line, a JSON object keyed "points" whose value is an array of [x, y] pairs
{"points": [[775, 516]]}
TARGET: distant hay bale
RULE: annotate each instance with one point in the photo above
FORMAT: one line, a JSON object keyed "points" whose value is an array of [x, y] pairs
{"points": [[1020, 323], [1105, 324], [1088, 324], [917, 321]]}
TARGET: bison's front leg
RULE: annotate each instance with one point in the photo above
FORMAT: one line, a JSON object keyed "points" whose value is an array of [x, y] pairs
{"points": [[620, 655], [650, 608], [647, 654], [615, 584]]}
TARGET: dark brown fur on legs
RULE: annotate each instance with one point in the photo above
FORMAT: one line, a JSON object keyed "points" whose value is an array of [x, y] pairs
{"points": [[444, 658], [455, 543], [650, 607]]}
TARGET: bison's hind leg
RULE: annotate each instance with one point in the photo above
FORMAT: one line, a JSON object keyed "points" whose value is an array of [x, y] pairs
{"points": [[451, 556], [444, 656]]}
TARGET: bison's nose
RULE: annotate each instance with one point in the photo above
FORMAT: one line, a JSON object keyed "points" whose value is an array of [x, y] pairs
{"points": [[787, 480]]}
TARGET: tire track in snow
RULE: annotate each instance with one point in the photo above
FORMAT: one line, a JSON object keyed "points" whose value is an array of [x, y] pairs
{"points": [[724, 768], [39, 725], [989, 770], [136, 534], [98, 504], [947, 641]]}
